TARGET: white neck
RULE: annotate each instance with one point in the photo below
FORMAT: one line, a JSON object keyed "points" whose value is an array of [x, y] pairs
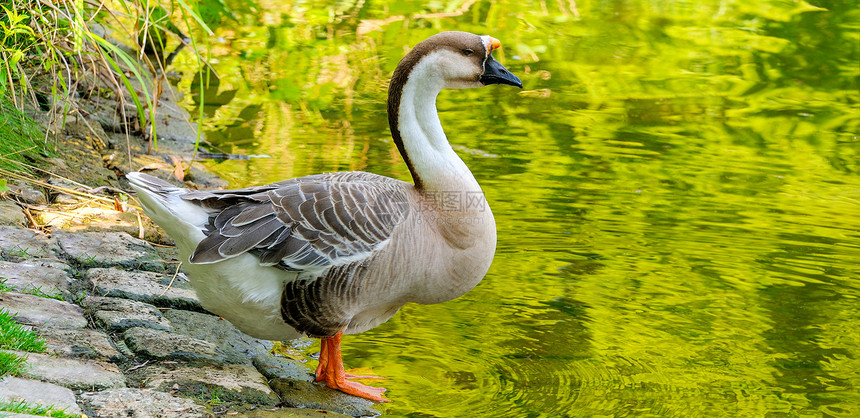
{"points": [[433, 160]]}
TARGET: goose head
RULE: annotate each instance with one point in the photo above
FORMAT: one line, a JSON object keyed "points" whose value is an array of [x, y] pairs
{"points": [[456, 60]]}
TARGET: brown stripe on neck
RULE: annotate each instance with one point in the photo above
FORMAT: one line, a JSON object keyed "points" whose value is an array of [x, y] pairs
{"points": [[395, 93], [454, 40]]}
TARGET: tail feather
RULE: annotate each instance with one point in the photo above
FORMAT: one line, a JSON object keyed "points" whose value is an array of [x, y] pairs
{"points": [[150, 183], [163, 203]]}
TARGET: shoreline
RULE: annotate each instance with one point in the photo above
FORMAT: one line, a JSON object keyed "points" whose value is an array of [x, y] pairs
{"points": [[124, 330]]}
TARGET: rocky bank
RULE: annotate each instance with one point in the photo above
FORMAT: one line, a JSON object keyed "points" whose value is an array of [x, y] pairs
{"points": [[126, 334], [129, 337]]}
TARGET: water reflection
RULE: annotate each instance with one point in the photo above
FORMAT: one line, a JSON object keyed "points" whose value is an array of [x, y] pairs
{"points": [[676, 192]]}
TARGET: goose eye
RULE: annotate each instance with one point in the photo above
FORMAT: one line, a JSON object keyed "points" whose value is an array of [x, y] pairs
{"points": [[468, 52]]}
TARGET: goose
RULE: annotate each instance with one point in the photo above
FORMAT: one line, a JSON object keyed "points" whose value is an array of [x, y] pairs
{"points": [[340, 253]]}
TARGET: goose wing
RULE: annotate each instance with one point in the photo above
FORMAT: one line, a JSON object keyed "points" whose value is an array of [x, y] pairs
{"points": [[308, 223]]}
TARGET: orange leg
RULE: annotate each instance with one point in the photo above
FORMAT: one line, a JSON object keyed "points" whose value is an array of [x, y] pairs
{"points": [[331, 371], [323, 360]]}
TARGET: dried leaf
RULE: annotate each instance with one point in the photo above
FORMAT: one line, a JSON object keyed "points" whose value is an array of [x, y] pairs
{"points": [[178, 171]]}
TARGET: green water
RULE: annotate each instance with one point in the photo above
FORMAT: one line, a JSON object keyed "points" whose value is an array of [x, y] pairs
{"points": [[677, 193]]}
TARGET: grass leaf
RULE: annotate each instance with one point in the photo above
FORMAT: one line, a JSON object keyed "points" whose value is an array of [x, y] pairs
{"points": [[13, 336]]}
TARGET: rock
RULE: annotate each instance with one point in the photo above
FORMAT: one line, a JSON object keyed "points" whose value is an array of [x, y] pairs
{"points": [[304, 394], [90, 219], [237, 347], [140, 403], [21, 244], [123, 349], [119, 146], [143, 286], [35, 310], [291, 413], [175, 132], [116, 314], [81, 160], [73, 373], [29, 276], [66, 199], [275, 367], [78, 126], [230, 383], [83, 343], [11, 214], [162, 166], [52, 263], [200, 175], [14, 389], [28, 193], [165, 345], [104, 112], [102, 249]]}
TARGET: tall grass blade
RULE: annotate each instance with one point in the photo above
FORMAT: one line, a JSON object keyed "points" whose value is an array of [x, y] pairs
{"points": [[195, 16], [133, 68]]}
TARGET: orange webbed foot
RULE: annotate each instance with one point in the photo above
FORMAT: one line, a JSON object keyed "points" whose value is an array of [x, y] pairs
{"points": [[331, 371], [360, 390]]}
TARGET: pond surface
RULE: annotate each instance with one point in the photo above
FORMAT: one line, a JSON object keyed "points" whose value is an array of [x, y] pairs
{"points": [[677, 193]]}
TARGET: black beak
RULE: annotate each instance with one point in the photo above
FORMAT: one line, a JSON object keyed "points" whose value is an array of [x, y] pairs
{"points": [[495, 73]]}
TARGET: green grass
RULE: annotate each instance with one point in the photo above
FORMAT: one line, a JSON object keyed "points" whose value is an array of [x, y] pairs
{"points": [[41, 68], [23, 407], [210, 396], [13, 336], [24, 252], [11, 363], [21, 140], [35, 291]]}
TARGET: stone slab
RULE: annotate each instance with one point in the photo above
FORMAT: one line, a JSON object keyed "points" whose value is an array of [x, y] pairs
{"points": [[276, 367], [231, 382], [22, 244], [104, 249], [140, 403], [175, 132], [237, 347], [165, 345], [11, 214], [143, 286], [79, 343], [90, 219], [35, 310], [304, 394], [13, 389], [73, 373], [291, 413], [117, 314], [27, 276], [33, 195]]}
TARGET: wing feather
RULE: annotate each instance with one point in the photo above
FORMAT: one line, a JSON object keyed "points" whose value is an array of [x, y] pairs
{"points": [[252, 214], [307, 223], [335, 224], [250, 237]]}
